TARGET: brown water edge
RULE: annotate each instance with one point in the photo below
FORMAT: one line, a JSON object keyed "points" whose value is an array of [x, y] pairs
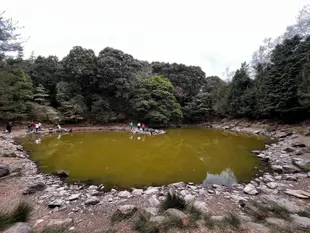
{"points": [[261, 168]]}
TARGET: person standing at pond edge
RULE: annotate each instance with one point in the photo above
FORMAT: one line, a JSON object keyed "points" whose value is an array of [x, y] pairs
{"points": [[139, 125], [9, 127], [143, 127], [131, 125]]}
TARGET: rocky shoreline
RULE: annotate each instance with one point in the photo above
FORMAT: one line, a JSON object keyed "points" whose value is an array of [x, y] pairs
{"points": [[284, 156]]}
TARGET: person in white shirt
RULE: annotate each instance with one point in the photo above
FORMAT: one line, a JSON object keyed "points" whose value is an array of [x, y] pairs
{"points": [[139, 126]]}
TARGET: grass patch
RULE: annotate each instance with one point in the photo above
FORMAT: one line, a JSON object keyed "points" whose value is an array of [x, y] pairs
{"points": [[260, 211], [209, 222], [194, 213], [279, 211], [142, 225], [232, 220], [20, 213], [304, 214], [173, 201], [117, 216], [172, 222]]}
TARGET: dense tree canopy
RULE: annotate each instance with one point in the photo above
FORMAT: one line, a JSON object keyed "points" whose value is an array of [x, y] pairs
{"points": [[113, 86]]}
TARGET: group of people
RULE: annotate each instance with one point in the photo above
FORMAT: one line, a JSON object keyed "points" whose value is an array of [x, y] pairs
{"points": [[34, 127], [139, 126]]}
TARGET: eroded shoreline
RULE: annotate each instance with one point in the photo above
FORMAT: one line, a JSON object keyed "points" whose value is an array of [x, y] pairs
{"points": [[49, 192]]}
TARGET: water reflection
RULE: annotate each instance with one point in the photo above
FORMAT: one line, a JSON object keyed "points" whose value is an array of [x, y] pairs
{"points": [[226, 178]]}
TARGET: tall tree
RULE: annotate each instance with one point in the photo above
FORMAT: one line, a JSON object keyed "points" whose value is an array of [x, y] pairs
{"points": [[155, 104], [15, 94], [10, 40]]}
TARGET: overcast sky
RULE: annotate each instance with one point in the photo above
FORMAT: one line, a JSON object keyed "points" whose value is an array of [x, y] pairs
{"points": [[208, 33]]}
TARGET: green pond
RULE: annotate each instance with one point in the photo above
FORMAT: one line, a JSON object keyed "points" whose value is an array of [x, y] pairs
{"points": [[121, 159]]}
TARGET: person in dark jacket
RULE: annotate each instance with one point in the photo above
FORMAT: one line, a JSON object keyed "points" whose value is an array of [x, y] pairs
{"points": [[9, 127]]}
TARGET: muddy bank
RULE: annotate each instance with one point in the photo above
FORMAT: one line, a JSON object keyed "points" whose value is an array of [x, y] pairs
{"points": [[54, 198]]}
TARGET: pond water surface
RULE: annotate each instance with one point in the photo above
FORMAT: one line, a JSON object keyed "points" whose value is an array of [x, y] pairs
{"points": [[202, 156]]}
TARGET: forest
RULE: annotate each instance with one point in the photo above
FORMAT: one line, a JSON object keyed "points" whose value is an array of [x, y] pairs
{"points": [[113, 86]]}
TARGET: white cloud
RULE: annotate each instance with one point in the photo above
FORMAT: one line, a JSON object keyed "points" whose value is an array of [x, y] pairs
{"points": [[211, 34]]}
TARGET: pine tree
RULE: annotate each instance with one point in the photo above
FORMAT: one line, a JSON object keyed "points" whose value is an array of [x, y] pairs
{"points": [[40, 95]]}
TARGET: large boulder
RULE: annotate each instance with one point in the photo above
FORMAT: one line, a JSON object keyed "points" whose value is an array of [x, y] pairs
{"points": [[201, 206], [127, 209], [57, 223], [92, 201], [298, 193], [300, 221], [257, 228], [34, 188], [4, 170], [21, 227], [175, 213], [250, 189], [154, 201], [124, 194], [150, 211], [56, 203], [61, 173]]}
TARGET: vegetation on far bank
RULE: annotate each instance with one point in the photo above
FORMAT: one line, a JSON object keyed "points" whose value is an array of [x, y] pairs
{"points": [[115, 87]]}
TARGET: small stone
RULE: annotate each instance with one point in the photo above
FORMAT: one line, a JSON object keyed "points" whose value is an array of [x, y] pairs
{"points": [[124, 194], [71, 228], [290, 177], [127, 209], [176, 213], [92, 201], [61, 173], [217, 218], [184, 192], [178, 185], [308, 174], [300, 221], [216, 186], [272, 185], [151, 211], [298, 144], [74, 197], [137, 192], [298, 193], [277, 168], [154, 201], [250, 189], [56, 203], [20, 227], [56, 223], [290, 169], [157, 219], [151, 190], [201, 206], [92, 187], [276, 221]]}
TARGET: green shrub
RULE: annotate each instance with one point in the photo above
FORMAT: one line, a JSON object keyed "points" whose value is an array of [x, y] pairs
{"points": [[20, 213], [173, 201]]}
